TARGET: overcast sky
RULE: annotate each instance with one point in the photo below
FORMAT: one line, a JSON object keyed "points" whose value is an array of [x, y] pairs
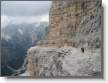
{"points": [[25, 8], [24, 11]]}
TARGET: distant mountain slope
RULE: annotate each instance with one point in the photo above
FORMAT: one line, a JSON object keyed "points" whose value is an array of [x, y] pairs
{"points": [[15, 40]]}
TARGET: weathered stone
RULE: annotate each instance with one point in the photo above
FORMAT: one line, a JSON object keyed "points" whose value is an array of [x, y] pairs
{"points": [[73, 23], [74, 20], [65, 61]]}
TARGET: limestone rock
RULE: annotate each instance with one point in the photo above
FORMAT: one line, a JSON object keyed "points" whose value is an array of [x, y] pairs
{"points": [[74, 23], [65, 61]]}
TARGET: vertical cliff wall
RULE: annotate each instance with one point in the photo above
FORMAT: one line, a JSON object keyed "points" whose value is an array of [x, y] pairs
{"points": [[74, 23]]}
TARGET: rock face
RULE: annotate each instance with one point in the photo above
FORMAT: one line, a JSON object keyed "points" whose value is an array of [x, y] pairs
{"points": [[65, 61], [73, 26], [74, 23]]}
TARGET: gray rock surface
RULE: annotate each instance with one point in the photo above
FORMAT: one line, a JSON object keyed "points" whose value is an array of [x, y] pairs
{"points": [[65, 61], [73, 25]]}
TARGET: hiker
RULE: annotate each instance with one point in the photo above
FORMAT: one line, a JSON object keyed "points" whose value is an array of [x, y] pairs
{"points": [[82, 49]]}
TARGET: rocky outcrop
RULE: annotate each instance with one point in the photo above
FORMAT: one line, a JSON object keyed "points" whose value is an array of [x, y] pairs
{"points": [[65, 61], [74, 28], [74, 23]]}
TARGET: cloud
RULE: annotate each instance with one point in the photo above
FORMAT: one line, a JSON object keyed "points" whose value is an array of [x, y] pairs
{"points": [[45, 18], [25, 8], [5, 20], [17, 12]]}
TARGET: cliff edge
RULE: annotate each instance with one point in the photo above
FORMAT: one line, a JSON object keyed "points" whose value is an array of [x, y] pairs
{"points": [[72, 46]]}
